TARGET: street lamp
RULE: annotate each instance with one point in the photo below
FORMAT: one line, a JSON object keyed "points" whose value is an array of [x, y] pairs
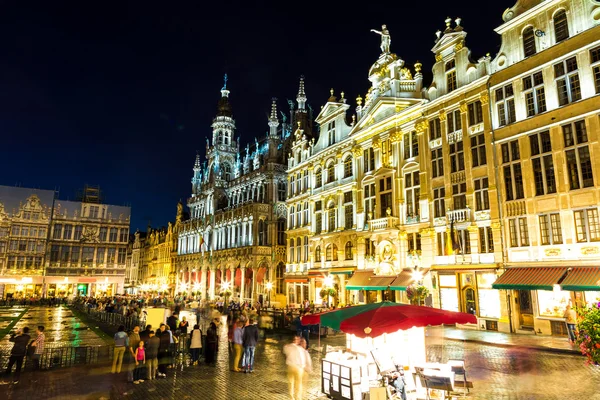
{"points": [[269, 287], [225, 289]]}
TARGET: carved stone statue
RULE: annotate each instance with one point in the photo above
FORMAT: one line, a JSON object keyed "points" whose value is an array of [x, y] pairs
{"points": [[386, 39]]}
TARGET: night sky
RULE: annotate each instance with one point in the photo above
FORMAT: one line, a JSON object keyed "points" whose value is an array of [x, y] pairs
{"points": [[122, 94]]}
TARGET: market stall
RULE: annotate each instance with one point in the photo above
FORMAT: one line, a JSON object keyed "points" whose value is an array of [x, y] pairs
{"points": [[385, 340]]}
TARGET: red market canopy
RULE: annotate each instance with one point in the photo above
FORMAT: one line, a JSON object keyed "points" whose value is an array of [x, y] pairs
{"points": [[388, 317], [333, 319]]}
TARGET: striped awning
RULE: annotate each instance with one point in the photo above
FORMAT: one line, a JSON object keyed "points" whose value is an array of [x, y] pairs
{"points": [[530, 278], [405, 279], [381, 282], [582, 278]]}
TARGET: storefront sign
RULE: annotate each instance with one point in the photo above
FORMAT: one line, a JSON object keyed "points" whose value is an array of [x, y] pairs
{"points": [[552, 252], [591, 250], [86, 280]]}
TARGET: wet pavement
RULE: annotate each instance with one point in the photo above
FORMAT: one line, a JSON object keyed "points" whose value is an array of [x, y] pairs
{"points": [[62, 328], [497, 373]]}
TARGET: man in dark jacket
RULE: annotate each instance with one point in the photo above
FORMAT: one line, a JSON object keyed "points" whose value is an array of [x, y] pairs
{"points": [[21, 340], [250, 339], [152, 346], [145, 334], [164, 358]]}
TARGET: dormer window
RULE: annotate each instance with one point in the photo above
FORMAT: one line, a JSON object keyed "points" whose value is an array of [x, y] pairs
{"points": [[450, 75], [331, 132], [529, 42], [561, 26]]}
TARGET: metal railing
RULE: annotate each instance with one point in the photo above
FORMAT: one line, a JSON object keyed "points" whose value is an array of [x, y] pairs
{"points": [[112, 318], [61, 356]]}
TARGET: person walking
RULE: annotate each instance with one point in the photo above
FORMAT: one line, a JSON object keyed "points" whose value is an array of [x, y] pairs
{"points": [[195, 344], [121, 344], [211, 344], [38, 343], [17, 354], [152, 346], [250, 340], [134, 340], [571, 320], [140, 363], [295, 361], [163, 350], [238, 345], [183, 326]]}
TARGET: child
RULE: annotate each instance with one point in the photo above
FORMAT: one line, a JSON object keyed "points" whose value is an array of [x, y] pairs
{"points": [[140, 363]]}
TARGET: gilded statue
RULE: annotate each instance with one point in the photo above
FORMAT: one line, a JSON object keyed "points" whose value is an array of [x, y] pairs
{"points": [[386, 39]]}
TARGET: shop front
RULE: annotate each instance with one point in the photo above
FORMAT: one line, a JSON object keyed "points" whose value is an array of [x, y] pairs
{"points": [[470, 291], [297, 291], [364, 287]]}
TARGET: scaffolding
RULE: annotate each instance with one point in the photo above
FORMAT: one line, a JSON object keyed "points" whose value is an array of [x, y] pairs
{"points": [[90, 194]]}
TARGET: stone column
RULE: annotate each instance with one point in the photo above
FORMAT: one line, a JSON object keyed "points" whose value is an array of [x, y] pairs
{"points": [[203, 283], [211, 288], [250, 233], [242, 282]]}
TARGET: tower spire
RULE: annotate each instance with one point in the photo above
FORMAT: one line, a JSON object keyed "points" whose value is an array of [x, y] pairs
{"points": [[301, 98], [197, 162], [273, 121]]}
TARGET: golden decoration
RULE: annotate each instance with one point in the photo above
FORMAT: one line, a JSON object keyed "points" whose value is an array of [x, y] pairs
{"points": [[376, 143], [438, 57], [463, 108], [396, 136], [405, 74], [442, 115], [458, 46], [418, 67], [483, 96], [359, 100], [421, 126], [357, 151], [552, 252], [590, 250]]}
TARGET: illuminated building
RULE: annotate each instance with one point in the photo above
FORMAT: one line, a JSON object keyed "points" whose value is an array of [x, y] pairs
{"points": [[236, 229]]}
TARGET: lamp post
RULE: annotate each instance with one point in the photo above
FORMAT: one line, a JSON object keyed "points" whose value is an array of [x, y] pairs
{"points": [[269, 287], [328, 284]]}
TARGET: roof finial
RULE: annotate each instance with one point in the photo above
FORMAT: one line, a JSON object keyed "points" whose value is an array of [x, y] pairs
{"points": [[273, 110], [331, 98], [359, 100], [224, 82], [448, 22], [301, 98], [197, 163], [457, 21]]}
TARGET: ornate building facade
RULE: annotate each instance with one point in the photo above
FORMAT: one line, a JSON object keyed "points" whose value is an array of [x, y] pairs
{"points": [[545, 105], [236, 229], [482, 181]]}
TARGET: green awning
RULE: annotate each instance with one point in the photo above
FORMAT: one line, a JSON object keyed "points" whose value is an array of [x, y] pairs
{"points": [[405, 279], [582, 279], [530, 278]]}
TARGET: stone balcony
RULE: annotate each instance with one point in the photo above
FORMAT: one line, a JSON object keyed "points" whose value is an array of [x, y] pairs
{"points": [[455, 136], [383, 223], [457, 216]]}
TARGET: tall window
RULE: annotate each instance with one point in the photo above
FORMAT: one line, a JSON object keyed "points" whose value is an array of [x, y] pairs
{"points": [[413, 241], [123, 235], [475, 113], [370, 200], [478, 155], [280, 278], [579, 163], [348, 251], [450, 75], [368, 160], [318, 254], [78, 232], [561, 26], [227, 172], [298, 183], [305, 220], [437, 163], [541, 161], [298, 250], [369, 248], [513, 176], [535, 96], [435, 129], [453, 121], [305, 248], [482, 199], [567, 81], [439, 202], [299, 215], [261, 233], [331, 225], [318, 178], [518, 232], [411, 145], [331, 132], [305, 179], [67, 232], [57, 231], [595, 63], [385, 195], [550, 230], [330, 172], [486, 240], [457, 156], [587, 225], [94, 211], [348, 210], [318, 217], [463, 240], [412, 192], [529, 42], [348, 166], [441, 244], [505, 104], [386, 152], [281, 231], [281, 191], [292, 217], [459, 196]]}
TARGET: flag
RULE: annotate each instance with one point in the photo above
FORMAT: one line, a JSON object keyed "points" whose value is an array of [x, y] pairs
{"points": [[455, 243]]}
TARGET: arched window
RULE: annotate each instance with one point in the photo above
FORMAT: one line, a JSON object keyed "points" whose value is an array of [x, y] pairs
{"points": [[281, 231], [529, 42], [298, 250], [281, 191], [291, 251], [328, 253], [318, 254], [335, 252], [305, 248], [331, 218], [318, 178], [561, 26], [348, 251], [292, 217], [280, 282], [305, 220], [331, 172], [261, 233], [348, 167], [219, 137], [227, 172], [451, 75]]}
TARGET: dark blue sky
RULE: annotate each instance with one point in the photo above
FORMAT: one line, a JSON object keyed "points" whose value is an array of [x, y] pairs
{"points": [[122, 94]]}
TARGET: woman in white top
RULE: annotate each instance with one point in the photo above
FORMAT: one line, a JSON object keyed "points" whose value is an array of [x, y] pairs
{"points": [[195, 344]]}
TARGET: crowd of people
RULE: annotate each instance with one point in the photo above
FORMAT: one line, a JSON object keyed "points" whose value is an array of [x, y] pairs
{"points": [[25, 347]]}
